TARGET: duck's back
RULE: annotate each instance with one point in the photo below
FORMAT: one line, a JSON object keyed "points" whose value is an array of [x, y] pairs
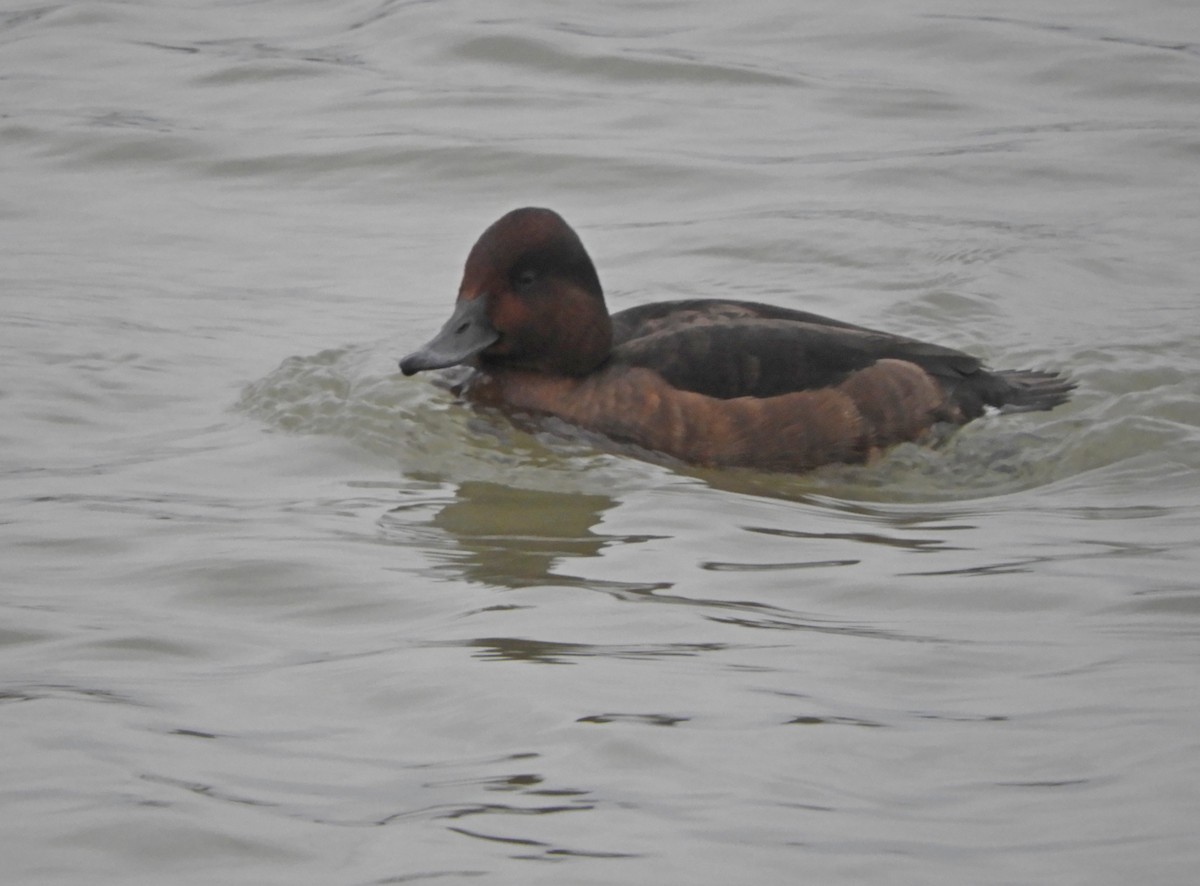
{"points": [[730, 349], [643, 320]]}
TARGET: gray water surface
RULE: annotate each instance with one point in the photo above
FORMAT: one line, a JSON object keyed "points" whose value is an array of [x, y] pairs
{"points": [[271, 613]]}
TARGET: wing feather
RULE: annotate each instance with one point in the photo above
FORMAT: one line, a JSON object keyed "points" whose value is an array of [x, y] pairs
{"points": [[766, 358]]}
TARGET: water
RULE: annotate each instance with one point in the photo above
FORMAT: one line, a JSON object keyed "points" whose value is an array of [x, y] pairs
{"points": [[273, 614]]}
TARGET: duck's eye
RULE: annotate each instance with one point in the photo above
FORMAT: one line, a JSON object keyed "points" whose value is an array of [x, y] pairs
{"points": [[526, 278]]}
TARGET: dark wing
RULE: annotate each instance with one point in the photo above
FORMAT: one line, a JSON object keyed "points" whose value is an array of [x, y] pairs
{"points": [[766, 358], [729, 349], [648, 319]]}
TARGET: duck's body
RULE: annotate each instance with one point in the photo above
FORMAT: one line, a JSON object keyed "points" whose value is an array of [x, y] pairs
{"points": [[709, 382]]}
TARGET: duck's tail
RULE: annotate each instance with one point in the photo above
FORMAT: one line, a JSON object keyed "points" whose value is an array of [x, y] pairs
{"points": [[1031, 390]]}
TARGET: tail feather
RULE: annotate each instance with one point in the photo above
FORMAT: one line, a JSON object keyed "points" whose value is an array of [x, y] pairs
{"points": [[1031, 390]]}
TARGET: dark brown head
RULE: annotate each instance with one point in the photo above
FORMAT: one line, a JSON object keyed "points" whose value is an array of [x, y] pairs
{"points": [[529, 299]]}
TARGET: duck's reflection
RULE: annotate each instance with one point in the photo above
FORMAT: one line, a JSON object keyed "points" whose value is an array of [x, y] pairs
{"points": [[511, 537]]}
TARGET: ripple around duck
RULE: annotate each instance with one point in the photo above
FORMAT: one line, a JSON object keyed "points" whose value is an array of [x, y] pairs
{"points": [[355, 393]]}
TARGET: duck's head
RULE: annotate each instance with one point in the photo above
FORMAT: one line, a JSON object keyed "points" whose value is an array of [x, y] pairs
{"points": [[529, 299]]}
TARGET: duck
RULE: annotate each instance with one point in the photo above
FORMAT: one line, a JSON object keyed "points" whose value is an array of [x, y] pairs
{"points": [[709, 382]]}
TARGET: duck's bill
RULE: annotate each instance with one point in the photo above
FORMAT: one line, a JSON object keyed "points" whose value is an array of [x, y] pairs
{"points": [[466, 333]]}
